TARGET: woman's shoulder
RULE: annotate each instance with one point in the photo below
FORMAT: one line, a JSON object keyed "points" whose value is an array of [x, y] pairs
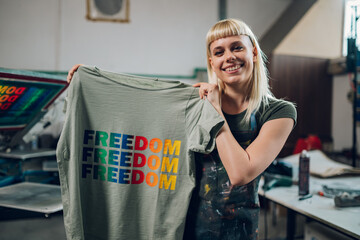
{"points": [[277, 108], [279, 103]]}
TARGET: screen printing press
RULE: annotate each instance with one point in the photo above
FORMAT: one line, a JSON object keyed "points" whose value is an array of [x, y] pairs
{"points": [[25, 97]]}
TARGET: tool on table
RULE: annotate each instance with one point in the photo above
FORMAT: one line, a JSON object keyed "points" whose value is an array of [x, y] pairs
{"points": [[343, 196], [276, 180], [347, 200]]}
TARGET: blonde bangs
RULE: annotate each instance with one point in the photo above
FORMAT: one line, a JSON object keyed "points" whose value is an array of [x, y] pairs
{"points": [[224, 29]]}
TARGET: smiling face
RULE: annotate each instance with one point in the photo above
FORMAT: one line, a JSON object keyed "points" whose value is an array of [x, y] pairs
{"points": [[232, 59]]}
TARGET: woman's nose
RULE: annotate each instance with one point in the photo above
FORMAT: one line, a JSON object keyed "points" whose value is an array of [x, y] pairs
{"points": [[230, 56]]}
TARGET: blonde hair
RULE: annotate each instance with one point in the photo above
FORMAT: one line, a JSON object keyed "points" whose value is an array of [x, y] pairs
{"points": [[259, 90]]}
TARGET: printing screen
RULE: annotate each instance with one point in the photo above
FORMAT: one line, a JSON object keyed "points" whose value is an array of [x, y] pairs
{"points": [[24, 94]]}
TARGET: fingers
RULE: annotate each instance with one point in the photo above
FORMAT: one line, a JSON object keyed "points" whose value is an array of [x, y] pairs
{"points": [[197, 84], [72, 71], [202, 92], [205, 89]]}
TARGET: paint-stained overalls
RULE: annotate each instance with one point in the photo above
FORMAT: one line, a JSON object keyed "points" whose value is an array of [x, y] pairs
{"points": [[219, 210]]}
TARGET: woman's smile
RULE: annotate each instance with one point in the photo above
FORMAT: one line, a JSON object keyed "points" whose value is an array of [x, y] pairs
{"points": [[233, 68]]}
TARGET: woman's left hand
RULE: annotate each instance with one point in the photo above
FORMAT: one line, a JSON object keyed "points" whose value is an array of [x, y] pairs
{"points": [[72, 71], [211, 92]]}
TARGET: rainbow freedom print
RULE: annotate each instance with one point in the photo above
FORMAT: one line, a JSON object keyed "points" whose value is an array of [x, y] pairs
{"points": [[120, 158]]}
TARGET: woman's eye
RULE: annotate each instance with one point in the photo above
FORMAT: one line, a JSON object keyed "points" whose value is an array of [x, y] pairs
{"points": [[218, 53], [238, 48]]}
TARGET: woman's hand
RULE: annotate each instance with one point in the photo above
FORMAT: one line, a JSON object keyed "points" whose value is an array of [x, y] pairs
{"points": [[211, 92], [72, 71]]}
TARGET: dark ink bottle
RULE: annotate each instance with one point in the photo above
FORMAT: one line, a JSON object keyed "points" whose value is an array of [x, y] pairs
{"points": [[304, 172]]}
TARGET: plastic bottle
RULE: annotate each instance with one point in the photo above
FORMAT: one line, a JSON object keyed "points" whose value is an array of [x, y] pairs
{"points": [[304, 172]]}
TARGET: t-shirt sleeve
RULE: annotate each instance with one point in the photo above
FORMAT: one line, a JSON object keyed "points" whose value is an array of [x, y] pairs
{"points": [[203, 123], [66, 139], [62, 149], [279, 109]]}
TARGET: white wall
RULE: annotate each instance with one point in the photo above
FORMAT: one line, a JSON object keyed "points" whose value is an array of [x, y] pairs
{"points": [[28, 33], [163, 36], [318, 33]]}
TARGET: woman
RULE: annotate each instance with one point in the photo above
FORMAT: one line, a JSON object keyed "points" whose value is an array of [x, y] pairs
{"points": [[225, 205]]}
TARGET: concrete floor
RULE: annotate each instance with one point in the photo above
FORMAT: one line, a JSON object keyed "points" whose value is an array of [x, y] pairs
{"points": [[34, 226], [31, 226]]}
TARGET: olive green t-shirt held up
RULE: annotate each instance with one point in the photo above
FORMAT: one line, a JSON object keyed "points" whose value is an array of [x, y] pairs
{"points": [[126, 155]]}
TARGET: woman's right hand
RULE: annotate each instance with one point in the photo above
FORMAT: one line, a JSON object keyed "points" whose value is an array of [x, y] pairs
{"points": [[211, 92], [72, 71]]}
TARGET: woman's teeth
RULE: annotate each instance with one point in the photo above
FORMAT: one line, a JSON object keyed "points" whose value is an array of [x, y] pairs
{"points": [[232, 68]]}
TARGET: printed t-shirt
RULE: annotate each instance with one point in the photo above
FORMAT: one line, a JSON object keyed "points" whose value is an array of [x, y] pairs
{"points": [[219, 210], [126, 155]]}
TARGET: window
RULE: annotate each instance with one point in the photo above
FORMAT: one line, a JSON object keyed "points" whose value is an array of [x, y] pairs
{"points": [[351, 26]]}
